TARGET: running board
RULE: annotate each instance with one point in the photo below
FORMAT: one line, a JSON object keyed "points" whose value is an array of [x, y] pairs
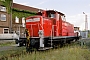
{"points": [[45, 48]]}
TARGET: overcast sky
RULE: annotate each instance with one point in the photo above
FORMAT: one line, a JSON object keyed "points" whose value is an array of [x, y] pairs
{"points": [[73, 9]]}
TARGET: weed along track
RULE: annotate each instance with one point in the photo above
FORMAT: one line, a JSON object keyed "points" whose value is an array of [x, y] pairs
{"points": [[21, 52]]}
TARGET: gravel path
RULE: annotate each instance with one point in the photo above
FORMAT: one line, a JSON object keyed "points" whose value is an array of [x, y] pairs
{"points": [[9, 47], [6, 48], [12, 47]]}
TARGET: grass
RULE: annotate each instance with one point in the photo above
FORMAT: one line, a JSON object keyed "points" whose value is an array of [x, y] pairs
{"points": [[69, 52], [74, 52], [88, 35]]}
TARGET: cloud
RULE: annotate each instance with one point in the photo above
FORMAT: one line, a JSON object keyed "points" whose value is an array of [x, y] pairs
{"points": [[22, 3], [42, 2], [26, 3], [89, 4], [79, 20]]}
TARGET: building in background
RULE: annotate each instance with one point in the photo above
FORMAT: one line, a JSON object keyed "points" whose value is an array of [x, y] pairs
{"points": [[5, 16]]}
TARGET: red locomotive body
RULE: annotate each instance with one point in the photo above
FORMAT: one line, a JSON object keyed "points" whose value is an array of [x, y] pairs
{"points": [[38, 23], [67, 29], [48, 27]]}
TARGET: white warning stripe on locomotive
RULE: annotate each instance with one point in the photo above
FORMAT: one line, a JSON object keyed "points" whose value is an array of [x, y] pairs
{"points": [[33, 20]]}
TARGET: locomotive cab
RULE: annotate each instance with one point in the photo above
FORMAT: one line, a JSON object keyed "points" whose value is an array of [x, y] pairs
{"points": [[56, 19]]}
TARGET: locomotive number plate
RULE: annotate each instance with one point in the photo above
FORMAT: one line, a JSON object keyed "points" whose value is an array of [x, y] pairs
{"points": [[33, 20]]}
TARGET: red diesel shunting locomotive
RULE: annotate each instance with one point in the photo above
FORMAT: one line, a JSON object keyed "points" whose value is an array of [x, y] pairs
{"points": [[49, 29]]}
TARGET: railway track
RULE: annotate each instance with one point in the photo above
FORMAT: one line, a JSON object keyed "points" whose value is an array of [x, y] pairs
{"points": [[15, 46]]}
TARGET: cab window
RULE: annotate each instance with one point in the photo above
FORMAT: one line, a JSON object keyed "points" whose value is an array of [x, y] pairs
{"points": [[51, 15]]}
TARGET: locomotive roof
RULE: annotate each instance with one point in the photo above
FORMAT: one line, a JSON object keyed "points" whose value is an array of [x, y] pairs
{"points": [[55, 12]]}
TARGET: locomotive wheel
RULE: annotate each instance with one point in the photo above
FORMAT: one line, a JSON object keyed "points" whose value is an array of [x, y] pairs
{"points": [[68, 42], [32, 42], [61, 44]]}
